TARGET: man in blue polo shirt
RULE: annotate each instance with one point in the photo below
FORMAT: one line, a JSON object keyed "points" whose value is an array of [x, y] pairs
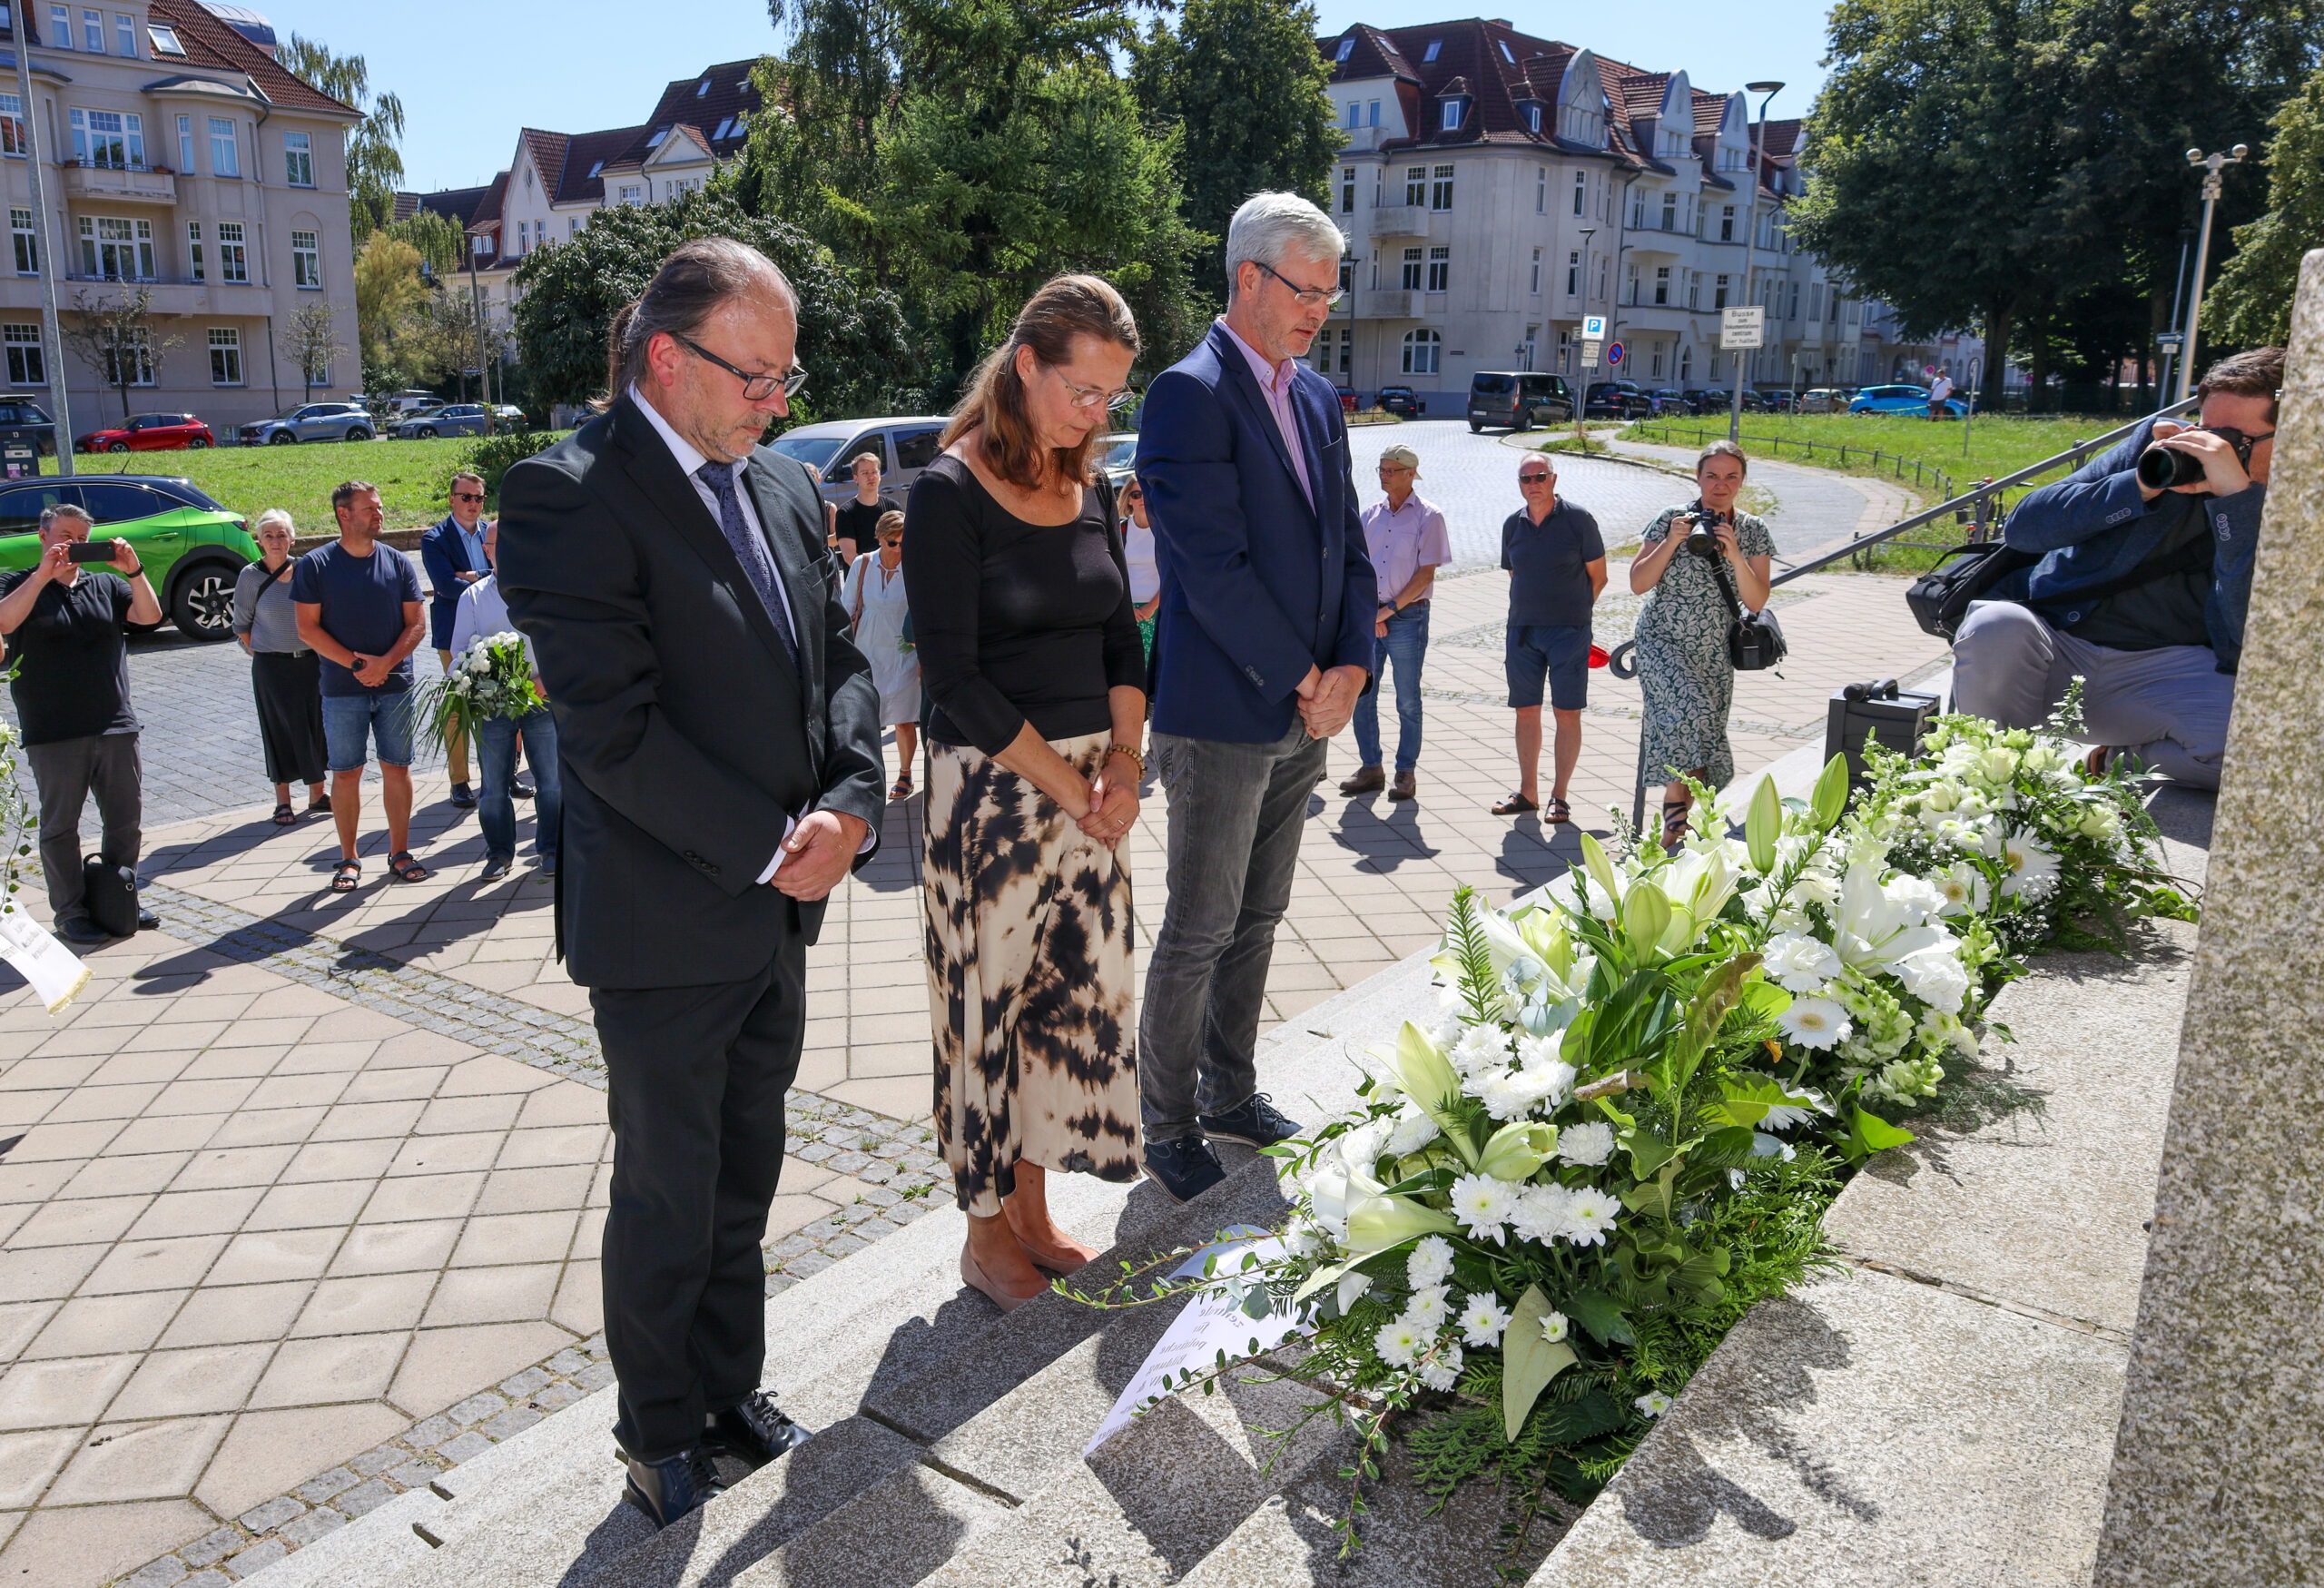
{"points": [[1556, 564]]}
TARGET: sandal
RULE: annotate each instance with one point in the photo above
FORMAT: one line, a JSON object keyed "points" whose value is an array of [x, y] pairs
{"points": [[320, 807], [1558, 811], [404, 869], [901, 789], [1674, 822], [347, 874], [282, 817], [2093, 765], [1513, 805]]}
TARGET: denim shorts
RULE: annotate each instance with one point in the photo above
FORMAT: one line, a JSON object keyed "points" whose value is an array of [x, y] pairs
{"points": [[354, 721], [1561, 653]]}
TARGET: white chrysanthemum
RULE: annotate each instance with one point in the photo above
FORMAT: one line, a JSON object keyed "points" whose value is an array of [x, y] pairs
{"points": [[1301, 1240], [1431, 1263], [1514, 1095], [1483, 1321], [1588, 1215], [1800, 964], [1442, 1372], [1541, 1213], [1590, 1144], [1482, 1204], [1427, 1308], [1447, 1034], [1935, 976], [1964, 890], [1532, 1052], [1415, 1129], [1397, 1343], [1942, 1029], [2032, 870], [1916, 897], [1480, 1049], [1555, 1326], [1654, 1403], [1814, 1022]]}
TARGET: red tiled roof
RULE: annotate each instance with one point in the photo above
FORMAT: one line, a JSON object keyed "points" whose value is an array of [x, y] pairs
{"points": [[210, 43], [728, 98], [587, 155], [548, 149]]}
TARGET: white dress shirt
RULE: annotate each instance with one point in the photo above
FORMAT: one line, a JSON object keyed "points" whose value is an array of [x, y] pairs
{"points": [[481, 612], [690, 458]]}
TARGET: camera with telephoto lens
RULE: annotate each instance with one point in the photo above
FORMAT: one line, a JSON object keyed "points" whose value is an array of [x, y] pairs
{"points": [[2161, 468], [1700, 539]]}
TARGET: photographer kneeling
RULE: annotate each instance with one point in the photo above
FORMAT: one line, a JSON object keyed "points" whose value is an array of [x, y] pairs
{"points": [[2144, 578], [66, 622]]}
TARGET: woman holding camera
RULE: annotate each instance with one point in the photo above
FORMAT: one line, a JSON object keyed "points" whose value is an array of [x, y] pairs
{"points": [[1691, 559]]}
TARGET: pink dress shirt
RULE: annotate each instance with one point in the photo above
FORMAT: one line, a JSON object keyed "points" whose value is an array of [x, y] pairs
{"points": [[1275, 380]]}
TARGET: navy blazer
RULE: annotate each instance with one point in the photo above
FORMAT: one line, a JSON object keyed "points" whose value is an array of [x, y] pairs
{"points": [[1258, 585], [445, 557]]}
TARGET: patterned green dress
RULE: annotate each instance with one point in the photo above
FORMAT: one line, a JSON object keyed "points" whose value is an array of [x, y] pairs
{"points": [[1682, 666]]}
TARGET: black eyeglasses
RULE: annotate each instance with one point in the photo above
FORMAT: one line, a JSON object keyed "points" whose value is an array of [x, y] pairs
{"points": [[756, 388], [1329, 297]]}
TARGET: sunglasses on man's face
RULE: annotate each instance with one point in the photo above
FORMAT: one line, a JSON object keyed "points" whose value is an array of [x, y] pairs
{"points": [[467, 495], [1532, 479]]}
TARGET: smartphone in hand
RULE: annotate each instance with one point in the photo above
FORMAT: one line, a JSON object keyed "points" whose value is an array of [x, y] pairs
{"points": [[89, 551]]}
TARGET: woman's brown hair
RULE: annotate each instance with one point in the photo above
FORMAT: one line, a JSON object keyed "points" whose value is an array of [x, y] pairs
{"points": [[1065, 307]]}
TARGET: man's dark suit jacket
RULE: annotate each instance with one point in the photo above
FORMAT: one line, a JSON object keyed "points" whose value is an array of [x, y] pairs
{"points": [[444, 556], [685, 733]]}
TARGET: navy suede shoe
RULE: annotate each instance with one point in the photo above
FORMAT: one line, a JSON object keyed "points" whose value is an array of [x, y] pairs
{"points": [[1257, 1122], [1184, 1169]]}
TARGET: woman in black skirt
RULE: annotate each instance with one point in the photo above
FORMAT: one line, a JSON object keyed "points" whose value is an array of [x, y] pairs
{"points": [[285, 675]]}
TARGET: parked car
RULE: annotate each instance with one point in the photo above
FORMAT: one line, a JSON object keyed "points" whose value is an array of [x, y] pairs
{"points": [[1766, 401], [1820, 399], [509, 413], [1912, 400], [399, 405], [192, 548], [27, 421], [904, 447], [1518, 399], [1617, 400], [1116, 453], [454, 419], [312, 421], [1668, 400], [149, 433], [1708, 399], [1402, 402]]}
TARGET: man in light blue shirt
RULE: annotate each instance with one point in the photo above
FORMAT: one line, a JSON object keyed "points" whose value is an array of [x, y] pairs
{"points": [[481, 614], [1407, 539]]}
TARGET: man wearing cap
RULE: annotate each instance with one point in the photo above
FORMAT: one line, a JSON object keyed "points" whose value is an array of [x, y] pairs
{"points": [[1407, 539]]}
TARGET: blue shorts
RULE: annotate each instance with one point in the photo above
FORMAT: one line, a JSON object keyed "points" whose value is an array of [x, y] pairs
{"points": [[352, 722], [1561, 653]]}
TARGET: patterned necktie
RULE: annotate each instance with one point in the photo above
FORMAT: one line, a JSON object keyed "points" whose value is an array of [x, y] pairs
{"points": [[750, 549]]}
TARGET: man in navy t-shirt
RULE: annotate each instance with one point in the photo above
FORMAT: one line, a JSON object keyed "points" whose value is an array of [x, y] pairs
{"points": [[359, 610], [1557, 565]]}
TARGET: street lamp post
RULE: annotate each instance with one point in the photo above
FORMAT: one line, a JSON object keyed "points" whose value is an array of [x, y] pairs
{"points": [[1582, 371], [1750, 243], [2211, 165], [53, 340]]}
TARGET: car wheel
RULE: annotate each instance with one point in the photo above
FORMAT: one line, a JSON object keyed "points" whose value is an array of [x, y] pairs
{"points": [[201, 601], [1520, 424], [117, 446], [281, 438], [425, 433], [1476, 429], [359, 434], [195, 444]]}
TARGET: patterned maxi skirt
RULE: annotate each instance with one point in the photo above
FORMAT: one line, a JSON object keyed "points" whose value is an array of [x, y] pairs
{"points": [[1030, 983]]}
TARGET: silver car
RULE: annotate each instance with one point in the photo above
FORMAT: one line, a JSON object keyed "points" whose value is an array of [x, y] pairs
{"points": [[904, 447], [454, 419], [1821, 400], [311, 421]]}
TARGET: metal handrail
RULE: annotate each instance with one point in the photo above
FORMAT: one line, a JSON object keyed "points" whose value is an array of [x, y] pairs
{"points": [[2073, 457]]}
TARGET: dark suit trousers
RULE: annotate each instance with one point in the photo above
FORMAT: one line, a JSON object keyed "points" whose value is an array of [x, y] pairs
{"points": [[696, 1077]]}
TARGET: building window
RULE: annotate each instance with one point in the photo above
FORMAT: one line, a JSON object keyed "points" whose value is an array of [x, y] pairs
{"points": [[225, 356], [633, 195], [1533, 117], [1816, 300], [1412, 270], [1718, 293], [233, 258], [225, 152], [1686, 364], [1541, 190], [1440, 191], [1671, 212], [1657, 371], [1573, 273], [115, 249], [1439, 269], [28, 363], [92, 32], [1581, 191], [306, 262], [299, 158], [1324, 350], [1355, 115], [1421, 350], [1536, 288], [108, 139], [125, 34], [573, 226], [1726, 224], [319, 378], [27, 240], [1416, 185], [1347, 190], [1434, 45], [1372, 113], [1565, 351], [1661, 288], [130, 361], [194, 250], [60, 26], [1451, 115], [1694, 289], [12, 124], [1347, 48]]}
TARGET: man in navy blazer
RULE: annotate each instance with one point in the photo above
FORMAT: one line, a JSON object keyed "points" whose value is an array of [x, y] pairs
{"points": [[1263, 643], [452, 551]]}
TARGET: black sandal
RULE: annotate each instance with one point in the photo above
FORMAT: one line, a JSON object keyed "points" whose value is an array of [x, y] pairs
{"points": [[1674, 822], [347, 874], [1515, 804], [283, 817], [901, 789], [404, 869], [1557, 811]]}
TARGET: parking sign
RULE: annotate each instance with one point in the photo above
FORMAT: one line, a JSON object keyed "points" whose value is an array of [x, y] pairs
{"points": [[1594, 328]]}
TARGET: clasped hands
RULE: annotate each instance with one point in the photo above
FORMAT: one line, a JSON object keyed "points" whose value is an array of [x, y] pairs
{"points": [[818, 853], [1113, 802], [1327, 698]]}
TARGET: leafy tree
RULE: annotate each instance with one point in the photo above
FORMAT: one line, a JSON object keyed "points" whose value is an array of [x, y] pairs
{"points": [[374, 163], [1244, 82], [115, 337], [2250, 303], [388, 296], [438, 238], [851, 337], [310, 336]]}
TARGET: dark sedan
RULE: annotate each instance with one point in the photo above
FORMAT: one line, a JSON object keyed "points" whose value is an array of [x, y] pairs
{"points": [[1402, 402]]}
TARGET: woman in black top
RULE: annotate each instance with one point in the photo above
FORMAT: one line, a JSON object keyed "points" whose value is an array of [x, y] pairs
{"points": [[1028, 649], [856, 521]]}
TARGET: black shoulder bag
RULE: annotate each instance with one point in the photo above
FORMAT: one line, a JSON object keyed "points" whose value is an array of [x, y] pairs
{"points": [[1754, 640]]}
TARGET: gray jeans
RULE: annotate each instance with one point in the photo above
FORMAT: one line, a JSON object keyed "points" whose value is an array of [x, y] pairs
{"points": [[1236, 815], [67, 773], [2168, 707]]}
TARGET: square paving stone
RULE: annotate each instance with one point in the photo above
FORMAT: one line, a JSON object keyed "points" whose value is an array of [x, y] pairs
{"points": [[84, 1546], [322, 1203], [152, 1461], [389, 1248], [358, 1121], [187, 1382], [535, 1190], [48, 1395], [435, 1155], [27, 1461], [154, 1265], [336, 1368], [418, 1197], [218, 1169], [339, 1161], [75, 1222], [177, 1213], [267, 1128], [444, 1366], [255, 1256], [366, 1302], [516, 1237], [269, 1451], [46, 1273], [496, 1294], [218, 1316], [94, 1325]]}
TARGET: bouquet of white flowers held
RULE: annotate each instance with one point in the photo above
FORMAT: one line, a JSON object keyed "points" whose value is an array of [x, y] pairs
{"points": [[492, 678]]}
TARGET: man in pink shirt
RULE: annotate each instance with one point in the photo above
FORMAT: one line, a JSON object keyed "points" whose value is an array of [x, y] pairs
{"points": [[1406, 537]]}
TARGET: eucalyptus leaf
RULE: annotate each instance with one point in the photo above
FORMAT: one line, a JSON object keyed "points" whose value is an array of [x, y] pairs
{"points": [[1529, 1362]]}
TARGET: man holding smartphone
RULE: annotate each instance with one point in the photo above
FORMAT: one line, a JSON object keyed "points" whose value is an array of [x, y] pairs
{"points": [[66, 621]]}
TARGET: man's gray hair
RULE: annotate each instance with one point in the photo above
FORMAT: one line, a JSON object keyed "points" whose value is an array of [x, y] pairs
{"points": [[697, 280], [55, 510], [1270, 225]]}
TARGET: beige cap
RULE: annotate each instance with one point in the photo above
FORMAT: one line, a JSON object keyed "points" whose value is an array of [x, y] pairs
{"points": [[1399, 453]]}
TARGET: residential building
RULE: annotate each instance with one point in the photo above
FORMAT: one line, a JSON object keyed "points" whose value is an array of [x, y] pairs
{"points": [[1495, 187], [181, 158]]}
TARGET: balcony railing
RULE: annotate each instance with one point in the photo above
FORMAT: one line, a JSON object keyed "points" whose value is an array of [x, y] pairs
{"points": [[1399, 220], [116, 185], [1388, 303]]}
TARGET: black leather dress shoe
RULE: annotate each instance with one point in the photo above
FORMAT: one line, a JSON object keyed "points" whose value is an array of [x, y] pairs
{"points": [[755, 1431], [667, 1490], [148, 922]]}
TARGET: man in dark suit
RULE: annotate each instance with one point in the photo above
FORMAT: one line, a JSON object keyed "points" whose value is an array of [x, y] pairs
{"points": [[452, 552], [721, 746], [1264, 643]]}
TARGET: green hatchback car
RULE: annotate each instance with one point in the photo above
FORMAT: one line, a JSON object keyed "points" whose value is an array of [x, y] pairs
{"points": [[192, 547]]}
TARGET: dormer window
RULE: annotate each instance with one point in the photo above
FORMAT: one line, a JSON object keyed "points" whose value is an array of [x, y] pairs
{"points": [[724, 128], [1429, 57], [1452, 115], [165, 40], [1455, 100], [656, 141], [1347, 48], [1530, 109], [702, 89]]}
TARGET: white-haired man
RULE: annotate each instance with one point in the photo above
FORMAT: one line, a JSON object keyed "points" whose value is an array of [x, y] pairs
{"points": [[1264, 641]]}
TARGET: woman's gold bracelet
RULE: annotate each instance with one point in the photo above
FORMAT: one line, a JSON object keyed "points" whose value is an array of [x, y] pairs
{"points": [[1137, 760]]}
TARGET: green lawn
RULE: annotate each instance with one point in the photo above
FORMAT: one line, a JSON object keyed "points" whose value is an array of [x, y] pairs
{"points": [[412, 475]]}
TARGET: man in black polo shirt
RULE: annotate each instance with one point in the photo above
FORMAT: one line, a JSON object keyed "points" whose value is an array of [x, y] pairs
{"points": [[66, 624], [1557, 565]]}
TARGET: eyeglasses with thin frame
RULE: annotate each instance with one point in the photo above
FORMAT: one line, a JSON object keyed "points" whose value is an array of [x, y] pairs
{"points": [[756, 387], [1329, 297], [1092, 395]]}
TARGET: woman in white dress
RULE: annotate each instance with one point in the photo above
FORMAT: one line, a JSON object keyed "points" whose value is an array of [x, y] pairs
{"points": [[872, 594]]}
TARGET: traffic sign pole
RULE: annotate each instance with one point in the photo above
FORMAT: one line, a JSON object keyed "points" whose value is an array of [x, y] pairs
{"points": [[1740, 329]]}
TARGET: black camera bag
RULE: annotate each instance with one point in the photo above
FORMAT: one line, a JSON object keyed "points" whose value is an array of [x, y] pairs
{"points": [[111, 898], [1754, 640], [1940, 597]]}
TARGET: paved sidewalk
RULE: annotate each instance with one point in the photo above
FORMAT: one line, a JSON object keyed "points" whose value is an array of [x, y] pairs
{"points": [[299, 1202]]}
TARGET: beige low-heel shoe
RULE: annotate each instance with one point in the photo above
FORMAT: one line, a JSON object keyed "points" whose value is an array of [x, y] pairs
{"points": [[973, 1275]]}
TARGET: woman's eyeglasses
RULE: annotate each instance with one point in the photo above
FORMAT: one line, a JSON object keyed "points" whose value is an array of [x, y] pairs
{"points": [[756, 388]]}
